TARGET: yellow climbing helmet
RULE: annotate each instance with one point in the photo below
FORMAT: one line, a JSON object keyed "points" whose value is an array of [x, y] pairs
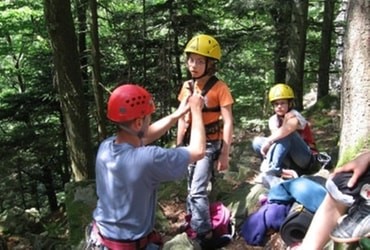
{"points": [[281, 91], [204, 45]]}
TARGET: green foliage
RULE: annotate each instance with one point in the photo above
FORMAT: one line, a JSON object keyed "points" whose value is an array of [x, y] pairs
{"points": [[176, 190], [142, 42], [30, 118], [325, 104], [354, 151]]}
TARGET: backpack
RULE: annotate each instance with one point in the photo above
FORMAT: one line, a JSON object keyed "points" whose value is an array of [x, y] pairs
{"points": [[307, 135], [223, 228], [221, 219], [321, 159]]}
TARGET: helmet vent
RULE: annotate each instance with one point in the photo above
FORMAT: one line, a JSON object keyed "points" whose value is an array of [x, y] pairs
{"points": [[136, 101], [122, 110]]}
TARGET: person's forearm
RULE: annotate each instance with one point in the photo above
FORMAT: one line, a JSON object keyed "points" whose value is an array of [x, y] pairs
{"points": [[197, 142], [280, 133], [158, 128], [181, 129], [227, 138]]}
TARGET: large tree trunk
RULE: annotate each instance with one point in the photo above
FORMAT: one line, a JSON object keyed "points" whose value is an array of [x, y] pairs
{"points": [[82, 29], [355, 123], [281, 16], [325, 55], [69, 84], [96, 81], [297, 49]]}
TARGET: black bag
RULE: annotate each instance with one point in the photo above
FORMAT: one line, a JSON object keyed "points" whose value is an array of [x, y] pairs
{"points": [[296, 224]]}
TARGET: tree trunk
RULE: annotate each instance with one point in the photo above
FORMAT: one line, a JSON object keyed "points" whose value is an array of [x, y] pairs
{"points": [[325, 55], [355, 99], [82, 29], [69, 85], [50, 188], [297, 48], [96, 81], [281, 16], [177, 76]]}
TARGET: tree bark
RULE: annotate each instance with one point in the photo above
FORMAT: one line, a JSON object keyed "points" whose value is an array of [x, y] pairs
{"points": [[325, 55], [96, 81], [82, 29], [62, 34], [355, 99], [297, 49], [281, 16]]}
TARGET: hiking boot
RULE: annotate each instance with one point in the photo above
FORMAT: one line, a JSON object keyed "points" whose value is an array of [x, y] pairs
{"points": [[185, 227], [205, 240], [264, 165], [355, 225], [267, 180]]}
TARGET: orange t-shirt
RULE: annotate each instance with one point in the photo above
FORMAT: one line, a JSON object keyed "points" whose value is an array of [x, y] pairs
{"points": [[218, 96]]}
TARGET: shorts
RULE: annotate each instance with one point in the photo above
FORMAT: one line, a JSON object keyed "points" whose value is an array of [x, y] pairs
{"points": [[338, 189]]}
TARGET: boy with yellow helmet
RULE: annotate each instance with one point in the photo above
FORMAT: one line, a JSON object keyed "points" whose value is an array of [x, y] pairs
{"points": [[290, 144], [203, 52]]}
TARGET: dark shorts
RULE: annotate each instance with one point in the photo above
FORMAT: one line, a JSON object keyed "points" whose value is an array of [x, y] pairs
{"points": [[338, 189]]}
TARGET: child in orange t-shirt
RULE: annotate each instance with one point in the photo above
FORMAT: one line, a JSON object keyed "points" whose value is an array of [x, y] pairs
{"points": [[202, 54]]}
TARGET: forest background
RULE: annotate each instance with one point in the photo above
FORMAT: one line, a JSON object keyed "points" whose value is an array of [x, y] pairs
{"points": [[60, 59]]}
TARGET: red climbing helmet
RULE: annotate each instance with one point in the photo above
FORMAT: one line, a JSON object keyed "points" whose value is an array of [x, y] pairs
{"points": [[128, 102]]}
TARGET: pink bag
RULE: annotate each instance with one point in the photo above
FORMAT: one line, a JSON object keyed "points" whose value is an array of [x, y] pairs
{"points": [[221, 219], [222, 226]]}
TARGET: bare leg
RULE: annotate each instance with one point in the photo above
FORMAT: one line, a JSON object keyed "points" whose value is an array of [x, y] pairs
{"points": [[323, 222]]}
